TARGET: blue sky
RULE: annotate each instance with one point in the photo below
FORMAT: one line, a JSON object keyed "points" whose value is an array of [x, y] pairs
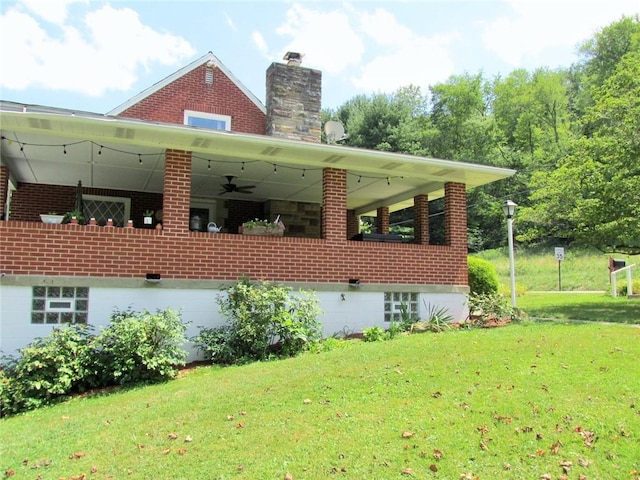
{"points": [[95, 55]]}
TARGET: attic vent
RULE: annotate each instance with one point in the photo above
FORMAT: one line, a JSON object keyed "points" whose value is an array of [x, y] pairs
{"points": [[201, 143], [124, 133], [333, 159], [208, 76], [271, 151], [41, 124]]}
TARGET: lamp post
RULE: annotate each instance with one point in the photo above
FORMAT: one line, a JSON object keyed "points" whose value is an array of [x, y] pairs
{"points": [[509, 209]]}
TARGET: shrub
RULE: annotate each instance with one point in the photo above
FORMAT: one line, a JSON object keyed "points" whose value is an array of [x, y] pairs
{"points": [[621, 287], [484, 308], [373, 334], [483, 278], [264, 320], [141, 346], [47, 369]]}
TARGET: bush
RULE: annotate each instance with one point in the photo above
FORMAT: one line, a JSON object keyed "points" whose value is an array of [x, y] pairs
{"points": [[264, 320], [373, 334], [621, 287], [483, 278], [47, 369], [141, 347], [484, 308]]}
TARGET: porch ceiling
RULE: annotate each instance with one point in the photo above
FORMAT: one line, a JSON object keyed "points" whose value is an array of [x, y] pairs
{"points": [[116, 153]]}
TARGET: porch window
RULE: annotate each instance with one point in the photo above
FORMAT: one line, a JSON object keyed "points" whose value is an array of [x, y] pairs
{"points": [[396, 302], [207, 120], [56, 305], [103, 208]]}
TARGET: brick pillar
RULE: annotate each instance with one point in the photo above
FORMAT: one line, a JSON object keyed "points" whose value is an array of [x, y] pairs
{"points": [[382, 220], [421, 219], [334, 205], [4, 190], [177, 192], [455, 215], [353, 224]]}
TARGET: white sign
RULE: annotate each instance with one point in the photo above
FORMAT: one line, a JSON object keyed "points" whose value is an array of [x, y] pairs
{"points": [[559, 253]]}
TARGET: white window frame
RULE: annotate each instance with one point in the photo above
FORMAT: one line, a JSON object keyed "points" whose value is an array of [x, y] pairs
{"points": [[208, 116]]}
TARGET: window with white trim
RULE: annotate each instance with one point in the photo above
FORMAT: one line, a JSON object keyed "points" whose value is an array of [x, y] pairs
{"points": [[103, 208], [395, 302], [55, 305], [212, 121]]}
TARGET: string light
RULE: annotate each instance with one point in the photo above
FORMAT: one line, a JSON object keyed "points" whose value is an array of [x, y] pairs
{"points": [[64, 149], [209, 165], [100, 151], [359, 178], [303, 170], [242, 168], [140, 159], [275, 168], [388, 181]]}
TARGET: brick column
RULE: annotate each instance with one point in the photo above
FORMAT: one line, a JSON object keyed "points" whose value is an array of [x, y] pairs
{"points": [[334, 205], [4, 190], [455, 215], [353, 224], [382, 220], [177, 192], [421, 219]]}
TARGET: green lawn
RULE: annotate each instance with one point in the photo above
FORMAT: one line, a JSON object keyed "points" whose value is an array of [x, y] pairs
{"points": [[596, 307], [515, 402]]}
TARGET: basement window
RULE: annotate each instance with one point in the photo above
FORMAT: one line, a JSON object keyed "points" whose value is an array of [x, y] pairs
{"points": [[207, 120], [57, 305], [396, 302]]}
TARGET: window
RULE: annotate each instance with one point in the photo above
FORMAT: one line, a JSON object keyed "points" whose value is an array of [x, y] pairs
{"points": [[102, 208], [207, 120], [54, 305], [395, 302]]}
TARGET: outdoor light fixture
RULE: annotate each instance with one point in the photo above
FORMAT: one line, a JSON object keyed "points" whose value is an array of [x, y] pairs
{"points": [[354, 282], [509, 209]]}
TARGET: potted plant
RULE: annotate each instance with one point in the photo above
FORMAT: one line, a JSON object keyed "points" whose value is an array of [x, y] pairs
{"points": [[74, 216], [51, 217], [148, 217], [262, 227]]}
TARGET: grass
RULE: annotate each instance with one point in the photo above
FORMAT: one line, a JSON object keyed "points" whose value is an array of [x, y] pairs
{"points": [[537, 270], [514, 402], [595, 307]]}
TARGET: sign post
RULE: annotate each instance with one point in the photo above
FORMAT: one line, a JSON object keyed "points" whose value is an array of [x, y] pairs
{"points": [[559, 251]]}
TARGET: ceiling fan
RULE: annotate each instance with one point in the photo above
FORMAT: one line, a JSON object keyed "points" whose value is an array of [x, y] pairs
{"points": [[232, 187]]}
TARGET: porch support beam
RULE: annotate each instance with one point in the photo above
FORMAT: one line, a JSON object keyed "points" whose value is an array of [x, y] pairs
{"points": [[334, 205], [177, 192], [421, 219], [455, 215], [382, 220], [353, 224], [4, 191]]}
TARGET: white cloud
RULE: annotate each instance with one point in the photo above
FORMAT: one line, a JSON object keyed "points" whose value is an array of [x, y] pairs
{"points": [[533, 27], [230, 22], [405, 58], [327, 38], [100, 52], [260, 43], [52, 11]]}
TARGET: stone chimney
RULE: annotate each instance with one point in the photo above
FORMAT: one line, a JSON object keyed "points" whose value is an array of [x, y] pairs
{"points": [[293, 100]]}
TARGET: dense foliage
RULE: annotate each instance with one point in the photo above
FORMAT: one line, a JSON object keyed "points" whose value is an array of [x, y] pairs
{"points": [[571, 134], [135, 347], [483, 277], [264, 320]]}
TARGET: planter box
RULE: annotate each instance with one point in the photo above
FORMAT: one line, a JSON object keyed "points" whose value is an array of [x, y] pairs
{"points": [[274, 231], [46, 218]]}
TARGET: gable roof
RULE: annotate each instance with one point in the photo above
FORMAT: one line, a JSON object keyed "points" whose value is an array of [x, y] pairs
{"points": [[205, 59]]}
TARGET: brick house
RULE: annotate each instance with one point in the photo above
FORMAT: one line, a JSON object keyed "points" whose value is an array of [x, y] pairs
{"points": [[176, 149]]}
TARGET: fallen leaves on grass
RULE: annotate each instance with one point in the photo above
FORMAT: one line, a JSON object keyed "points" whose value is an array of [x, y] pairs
{"points": [[172, 436], [408, 434], [77, 455], [407, 471], [437, 454]]}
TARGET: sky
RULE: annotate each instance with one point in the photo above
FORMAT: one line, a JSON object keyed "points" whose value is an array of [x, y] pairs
{"points": [[95, 55]]}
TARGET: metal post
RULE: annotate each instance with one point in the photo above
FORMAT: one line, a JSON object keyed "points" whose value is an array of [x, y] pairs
{"points": [[512, 269]]}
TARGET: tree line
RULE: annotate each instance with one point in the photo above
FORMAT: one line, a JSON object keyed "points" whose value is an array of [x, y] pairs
{"points": [[572, 134]]}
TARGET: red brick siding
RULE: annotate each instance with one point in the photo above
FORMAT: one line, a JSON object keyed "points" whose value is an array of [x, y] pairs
{"points": [[421, 219], [382, 220], [29, 248], [353, 224], [190, 92], [29, 200], [239, 211], [177, 191], [4, 189], [334, 204]]}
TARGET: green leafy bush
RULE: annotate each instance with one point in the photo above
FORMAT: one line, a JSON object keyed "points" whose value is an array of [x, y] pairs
{"points": [[264, 320], [373, 334], [621, 287], [47, 369], [483, 278], [484, 308], [141, 346]]}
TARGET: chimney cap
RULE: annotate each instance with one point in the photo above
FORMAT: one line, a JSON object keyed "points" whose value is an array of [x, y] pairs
{"points": [[293, 58]]}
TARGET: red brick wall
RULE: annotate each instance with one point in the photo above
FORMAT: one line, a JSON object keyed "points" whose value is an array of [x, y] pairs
{"points": [[190, 92], [421, 219], [29, 200], [239, 211], [334, 205], [4, 189], [382, 220], [177, 191]]}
